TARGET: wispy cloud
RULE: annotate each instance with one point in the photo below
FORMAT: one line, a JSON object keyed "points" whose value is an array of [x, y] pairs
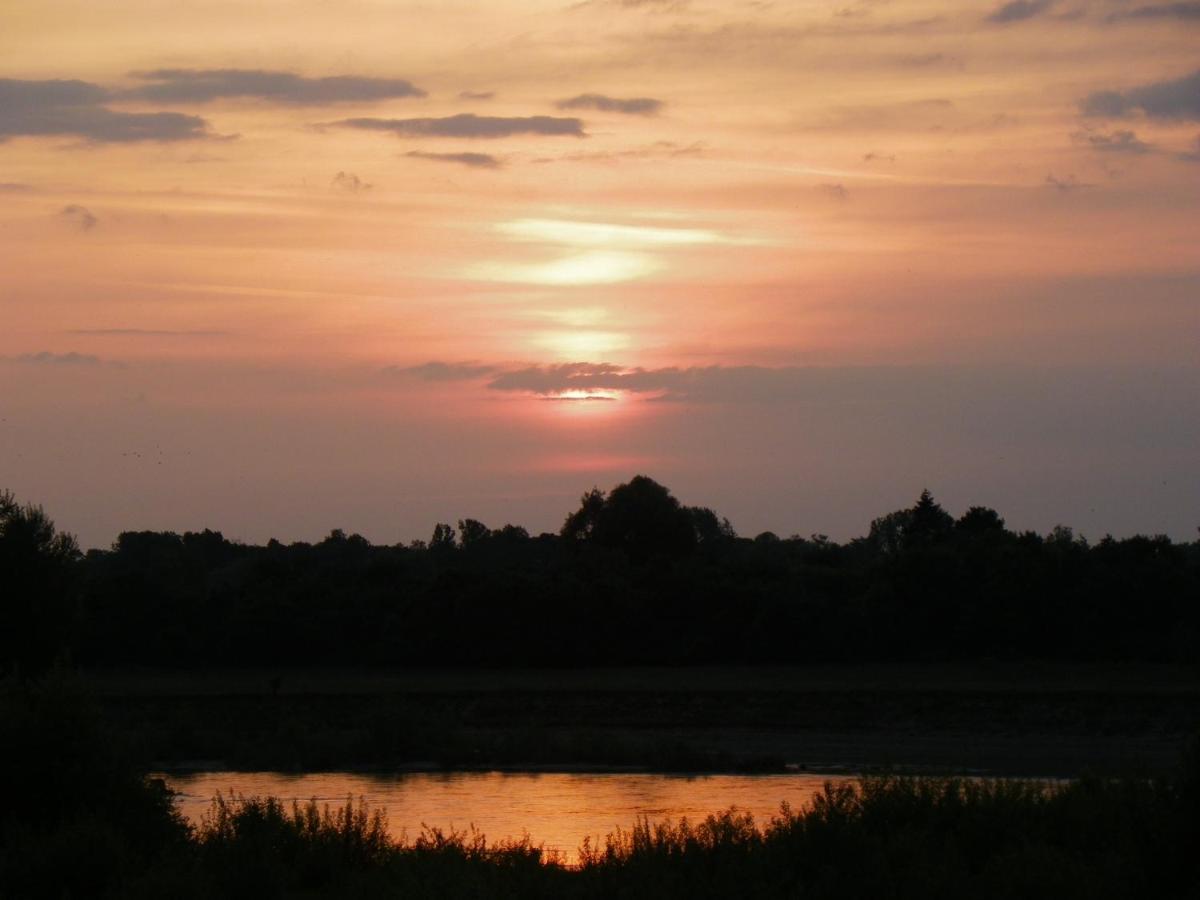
{"points": [[635, 106], [1192, 155], [349, 182], [1183, 11], [80, 215], [1018, 10], [1065, 185], [46, 358], [203, 85], [657, 150], [653, 5], [468, 125], [146, 332], [1121, 141], [604, 234], [473, 160], [443, 371]]}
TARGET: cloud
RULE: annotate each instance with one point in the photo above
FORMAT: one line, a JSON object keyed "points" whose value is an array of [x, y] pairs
{"points": [[1186, 11], [68, 107], [716, 383], [878, 157], [1018, 10], [1192, 155], [1065, 185], [443, 371], [834, 191], [348, 182], [634, 106], [203, 85], [575, 233], [80, 215], [920, 60], [12, 187], [476, 95], [145, 332], [1121, 141], [468, 125], [1177, 98], [474, 160], [657, 150], [654, 5], [697, 383], [46, 358]]}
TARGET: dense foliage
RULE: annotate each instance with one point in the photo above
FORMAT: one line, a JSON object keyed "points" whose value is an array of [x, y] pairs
{"points": [[633, 577]]}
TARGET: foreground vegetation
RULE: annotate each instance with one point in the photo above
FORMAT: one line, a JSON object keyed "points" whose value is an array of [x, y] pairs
{"points": [[79, 821], [633, 577]]}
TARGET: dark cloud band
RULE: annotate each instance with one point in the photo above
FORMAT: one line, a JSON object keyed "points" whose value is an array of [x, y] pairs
{"points": [[1177, 98], [634, 106], [203, 85], [63, 107], [468, 125], [1018, 10], [472, 160]]}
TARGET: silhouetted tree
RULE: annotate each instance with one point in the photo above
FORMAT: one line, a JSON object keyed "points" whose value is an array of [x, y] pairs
{"points": [[443, 537], [640, 517], [928, 523], [581, 523], [709, 527], [979, 520], [887, 532], [511, 533], [472, 531], [35, 575], [923, 523]]}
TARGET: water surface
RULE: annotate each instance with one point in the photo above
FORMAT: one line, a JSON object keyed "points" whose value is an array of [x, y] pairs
{"points": [[555, 809]]}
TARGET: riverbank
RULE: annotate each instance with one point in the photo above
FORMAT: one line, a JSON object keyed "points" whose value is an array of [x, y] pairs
{"points": [[1034, 720]]}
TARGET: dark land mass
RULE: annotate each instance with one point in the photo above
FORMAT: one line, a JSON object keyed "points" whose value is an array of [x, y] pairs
{"points": [[645, 634], [633, 578], [1036, 720]]}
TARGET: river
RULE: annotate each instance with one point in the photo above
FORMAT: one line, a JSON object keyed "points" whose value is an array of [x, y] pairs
{"points": [[554, 809]]}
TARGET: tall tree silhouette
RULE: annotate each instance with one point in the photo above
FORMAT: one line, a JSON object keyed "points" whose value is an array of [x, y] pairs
{"points": [[640, 517], [35, 576], [928, 523]]}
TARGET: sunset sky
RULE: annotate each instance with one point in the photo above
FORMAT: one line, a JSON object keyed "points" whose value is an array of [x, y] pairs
{"points": [[278, 267]]}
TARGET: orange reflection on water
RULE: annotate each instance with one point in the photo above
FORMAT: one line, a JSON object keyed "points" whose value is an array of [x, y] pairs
{"points": [[555, 809]]}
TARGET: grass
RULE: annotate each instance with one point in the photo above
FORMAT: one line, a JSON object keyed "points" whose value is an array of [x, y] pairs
{"points": [[884, 836]]}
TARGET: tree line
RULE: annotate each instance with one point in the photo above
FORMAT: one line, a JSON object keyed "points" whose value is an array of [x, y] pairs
{"points": [[632, 577]]}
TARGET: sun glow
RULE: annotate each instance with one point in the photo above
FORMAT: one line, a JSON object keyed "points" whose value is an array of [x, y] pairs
{"points": [[577, 394], [571, 346], [602, 234], [588, 267]]}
